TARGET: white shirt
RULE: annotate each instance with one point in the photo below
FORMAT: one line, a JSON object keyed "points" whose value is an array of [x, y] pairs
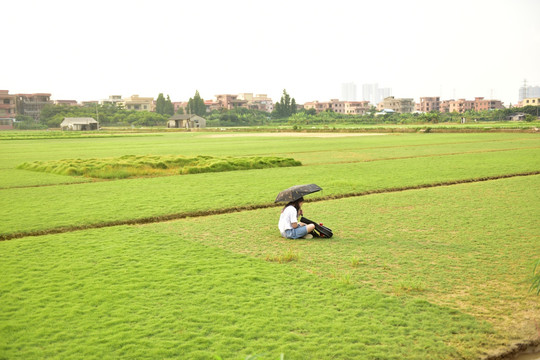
{"points": [[287, 217]]}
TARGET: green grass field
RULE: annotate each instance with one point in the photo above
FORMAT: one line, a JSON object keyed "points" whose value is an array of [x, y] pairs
{"points": [[438, 265]]}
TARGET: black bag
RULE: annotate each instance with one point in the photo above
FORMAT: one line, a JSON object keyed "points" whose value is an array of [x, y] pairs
{"points": [[320, 230]]}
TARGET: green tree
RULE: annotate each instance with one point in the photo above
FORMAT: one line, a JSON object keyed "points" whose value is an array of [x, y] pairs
{"points": [[160, 104], [24, 118], [285, 107], [196, 105], [169, 107], [25, 122], [164, 106], [293, 106], [311, 111], [530, 118]]}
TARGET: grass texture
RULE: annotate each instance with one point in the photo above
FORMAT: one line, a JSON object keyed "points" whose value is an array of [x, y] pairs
{"points": [[153, 296], [129, 166], [42, 208], [16, 178], [352, 148], [535, 282], [53, 134], [438, 273]]}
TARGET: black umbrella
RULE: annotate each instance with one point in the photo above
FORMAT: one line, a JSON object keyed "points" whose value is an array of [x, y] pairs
{"points": [[296, 192]]}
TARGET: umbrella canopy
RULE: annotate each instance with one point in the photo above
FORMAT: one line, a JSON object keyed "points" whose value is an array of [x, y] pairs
{"points": [[296, 192]]}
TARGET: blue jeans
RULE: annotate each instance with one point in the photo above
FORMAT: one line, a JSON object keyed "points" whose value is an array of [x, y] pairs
{"points": [[296, 233]]}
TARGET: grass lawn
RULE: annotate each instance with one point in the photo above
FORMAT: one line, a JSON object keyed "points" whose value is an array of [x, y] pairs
{"points": [[435, 273], [42, 208], [403, 278]]}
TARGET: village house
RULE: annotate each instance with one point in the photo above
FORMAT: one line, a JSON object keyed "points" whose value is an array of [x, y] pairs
{"points": [[341, 107], [229, 102], [405, 105], [530, 102], [463, 105], [66, 102], [187, 121], [31, 104], [259, 102], [79, 124], [113, 100], [517, 117], [137, 103], [428, 104], [8, 109], [481, 104]]}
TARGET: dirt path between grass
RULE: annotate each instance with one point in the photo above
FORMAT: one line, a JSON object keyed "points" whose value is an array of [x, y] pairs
{"points": [[169, 217], [520, 351]]}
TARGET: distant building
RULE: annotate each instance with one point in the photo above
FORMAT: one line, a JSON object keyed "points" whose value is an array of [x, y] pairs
{"points": [[137, 103], [31, 104], [8, 109], [444, 107], [259, 102], [113, 100], [79, 124], [428, 104], [404, 105], [342, 107], [374, 94], [348, 91], [481, 104], [463, 105], [90, 103], [516, 117], [66, 102], [180, 105], [356, 107], [533, 101], [186, 121], [458, 106], [211, 105], [228, 102], [529, 92], [318, 106]]}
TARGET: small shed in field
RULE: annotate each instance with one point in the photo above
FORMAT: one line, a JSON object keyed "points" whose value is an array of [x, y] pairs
{"points": [[516, 117], [188, 121], [79, 124]]}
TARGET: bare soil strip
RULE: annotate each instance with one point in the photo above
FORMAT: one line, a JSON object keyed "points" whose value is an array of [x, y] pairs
{"points": [[525, 350], [169, 217]]}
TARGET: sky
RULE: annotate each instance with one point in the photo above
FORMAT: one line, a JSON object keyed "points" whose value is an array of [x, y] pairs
{"points": [[87, 50]]}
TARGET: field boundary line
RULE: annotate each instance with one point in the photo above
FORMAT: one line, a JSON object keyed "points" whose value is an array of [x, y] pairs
{"points": [[201, 213]]}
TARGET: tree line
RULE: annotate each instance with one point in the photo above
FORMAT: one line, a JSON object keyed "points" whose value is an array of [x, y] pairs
{"points": [[53, 115], [285, 112]]}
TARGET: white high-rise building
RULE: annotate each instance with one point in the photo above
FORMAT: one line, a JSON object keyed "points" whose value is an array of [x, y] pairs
{"points": [[348, 91], [374, 94], [529, 92]]}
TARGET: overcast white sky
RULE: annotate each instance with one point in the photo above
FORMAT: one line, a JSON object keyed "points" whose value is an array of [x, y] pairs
{"points": [[88, 50]]}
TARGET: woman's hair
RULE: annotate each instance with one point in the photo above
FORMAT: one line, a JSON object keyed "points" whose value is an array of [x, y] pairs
{"points": [[295, 203]]}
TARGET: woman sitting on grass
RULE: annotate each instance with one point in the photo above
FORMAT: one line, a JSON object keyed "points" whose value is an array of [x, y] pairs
{"points": [[289, 227]]}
